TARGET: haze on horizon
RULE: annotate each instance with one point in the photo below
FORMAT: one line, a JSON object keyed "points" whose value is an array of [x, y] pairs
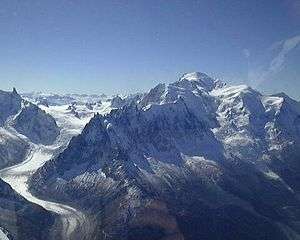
{"points": [[112, 47]]}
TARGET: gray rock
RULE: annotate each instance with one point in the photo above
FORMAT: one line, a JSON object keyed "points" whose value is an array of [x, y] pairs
{"points": [[12, 149], [10, 104], [36, 124]]}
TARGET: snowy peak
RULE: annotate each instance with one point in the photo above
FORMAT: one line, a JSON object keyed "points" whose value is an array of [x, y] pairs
{"points": [[195, 76], [186, 87], [193, 88], [202, 80], [27, 118]]}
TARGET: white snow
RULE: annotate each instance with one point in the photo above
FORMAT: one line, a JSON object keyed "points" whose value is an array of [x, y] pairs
{"points": [[193, 76], [54, 99], [3, 235], [5, 135]]}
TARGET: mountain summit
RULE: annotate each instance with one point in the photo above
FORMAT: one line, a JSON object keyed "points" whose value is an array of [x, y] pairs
{"points": [[203, 80]]}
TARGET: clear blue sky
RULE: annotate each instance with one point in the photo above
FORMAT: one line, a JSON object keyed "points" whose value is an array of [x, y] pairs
{"points": [[125, 46]]}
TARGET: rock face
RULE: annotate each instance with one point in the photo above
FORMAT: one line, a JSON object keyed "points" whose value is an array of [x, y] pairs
{"points": [[117, 102], [36, 124], [12, 149], [22, 219], [10, 104], [194, 159]]}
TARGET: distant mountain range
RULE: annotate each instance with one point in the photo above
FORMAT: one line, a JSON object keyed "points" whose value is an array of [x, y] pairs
{"points": [[62, 99]]}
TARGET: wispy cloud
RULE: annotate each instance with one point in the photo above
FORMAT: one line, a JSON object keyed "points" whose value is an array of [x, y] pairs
{"points": [[283, 48], [287, 46]]}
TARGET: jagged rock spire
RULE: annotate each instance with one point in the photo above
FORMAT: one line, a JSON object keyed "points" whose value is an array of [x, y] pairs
{"points": [[15, 90]]}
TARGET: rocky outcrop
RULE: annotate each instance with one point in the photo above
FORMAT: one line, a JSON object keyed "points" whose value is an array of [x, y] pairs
{"points": [[13, 149], [36, 124]]}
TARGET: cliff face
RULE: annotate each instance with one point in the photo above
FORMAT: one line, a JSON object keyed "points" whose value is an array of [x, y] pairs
{"points": [[36, 124], [13, 149], [10, 104]]}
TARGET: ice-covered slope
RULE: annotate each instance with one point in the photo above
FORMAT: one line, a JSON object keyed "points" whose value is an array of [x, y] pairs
{"points": [[194, 159]]}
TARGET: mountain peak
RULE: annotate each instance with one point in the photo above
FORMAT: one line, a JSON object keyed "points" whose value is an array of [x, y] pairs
{"points": [[200, 79], [195, 76]]}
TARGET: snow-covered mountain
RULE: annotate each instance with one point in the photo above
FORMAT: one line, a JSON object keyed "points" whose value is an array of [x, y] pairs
{"points": [[194, 159], [27, 118], [19, 120], [29, 135], [22, 124]]}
